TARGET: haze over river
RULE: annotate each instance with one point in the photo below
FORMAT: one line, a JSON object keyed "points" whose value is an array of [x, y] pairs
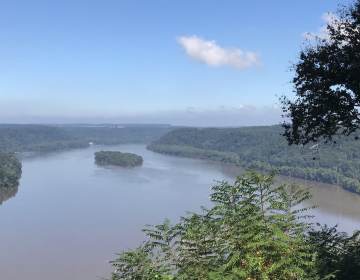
{"points": [[70, 217]]}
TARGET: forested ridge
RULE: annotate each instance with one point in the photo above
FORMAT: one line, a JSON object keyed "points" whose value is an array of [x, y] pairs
{"points": [[112, 135], [48, 138], [264, 148], [36, 138]]}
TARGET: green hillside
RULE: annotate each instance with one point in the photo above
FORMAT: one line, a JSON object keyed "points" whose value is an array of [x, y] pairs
{"points": [[264, 148], [48, 138], [36, 138]]}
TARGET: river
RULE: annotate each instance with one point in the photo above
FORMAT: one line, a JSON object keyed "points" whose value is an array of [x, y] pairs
{"points": [[69, 217]]}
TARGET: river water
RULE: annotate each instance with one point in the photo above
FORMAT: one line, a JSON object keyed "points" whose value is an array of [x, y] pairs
{"points": [[69, 217]]}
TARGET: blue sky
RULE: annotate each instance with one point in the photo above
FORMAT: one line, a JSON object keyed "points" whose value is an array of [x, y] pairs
{"points": [[125, 61]]}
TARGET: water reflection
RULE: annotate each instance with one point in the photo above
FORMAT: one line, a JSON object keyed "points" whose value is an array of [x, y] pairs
{"points": [[331, 199]]}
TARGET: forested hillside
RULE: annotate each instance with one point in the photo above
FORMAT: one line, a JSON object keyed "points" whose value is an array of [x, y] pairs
{"points": [[264, 148], [111, 135], [36, 138], [42, 138]]}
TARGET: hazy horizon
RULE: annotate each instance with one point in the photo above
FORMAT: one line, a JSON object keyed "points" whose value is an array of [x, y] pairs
{"points": [[222, 117], [225, 65]]}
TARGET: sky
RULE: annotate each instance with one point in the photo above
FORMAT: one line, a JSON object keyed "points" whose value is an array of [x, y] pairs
{"points": [[183, 62]]}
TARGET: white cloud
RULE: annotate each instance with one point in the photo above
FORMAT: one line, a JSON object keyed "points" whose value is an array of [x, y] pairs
{"points": [[323, 33], [212, 54]]}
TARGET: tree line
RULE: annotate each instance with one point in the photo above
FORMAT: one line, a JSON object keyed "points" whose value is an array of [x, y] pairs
{"points": [[264, 148], [50, 138]]}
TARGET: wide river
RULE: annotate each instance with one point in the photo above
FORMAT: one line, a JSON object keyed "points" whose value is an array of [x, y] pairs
{"points": [[69, 217]]}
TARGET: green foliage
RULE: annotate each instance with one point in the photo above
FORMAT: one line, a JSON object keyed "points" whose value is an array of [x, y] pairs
{"points": [[338, 253], [327, 84], [189, 151], [10, 173], [42, 138], [264, 148], [8, 192], [118, 158], [254, 230], [138, 265], [36, 138], [113, 135]]}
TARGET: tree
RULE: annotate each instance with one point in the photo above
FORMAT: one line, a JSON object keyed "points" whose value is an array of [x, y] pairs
{"points": [[262, 236], [138, 264], [255, 230], [338, 255], [327, 83]]}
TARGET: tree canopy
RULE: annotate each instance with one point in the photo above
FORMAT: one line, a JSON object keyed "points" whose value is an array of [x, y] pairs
{"points": [[264, 148], [118, 159], [50, 138], [254, 230], [327, 83]]}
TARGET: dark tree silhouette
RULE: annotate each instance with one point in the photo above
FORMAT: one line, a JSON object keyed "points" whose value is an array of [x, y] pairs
{"points": [[327, 83]]}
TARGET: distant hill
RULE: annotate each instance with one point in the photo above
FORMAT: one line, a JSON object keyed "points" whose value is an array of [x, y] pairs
{"points": [[264, 148], [118, 134], [47, 138], [36, 138]]}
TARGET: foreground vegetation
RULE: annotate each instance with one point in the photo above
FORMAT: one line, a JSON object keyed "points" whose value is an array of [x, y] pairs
{"points": [[10, 173], [326, 83], [118, 159], [264, 148], [254, 230]]}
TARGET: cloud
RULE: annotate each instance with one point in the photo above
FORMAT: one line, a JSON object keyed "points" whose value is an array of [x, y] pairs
{"points": [[210, 53], [329, 19]]}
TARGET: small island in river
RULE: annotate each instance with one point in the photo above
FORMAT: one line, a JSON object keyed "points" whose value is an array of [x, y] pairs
{"points": [[104, 158]]}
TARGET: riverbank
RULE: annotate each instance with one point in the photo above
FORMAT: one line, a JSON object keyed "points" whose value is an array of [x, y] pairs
{"points": [[265, 149]]}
